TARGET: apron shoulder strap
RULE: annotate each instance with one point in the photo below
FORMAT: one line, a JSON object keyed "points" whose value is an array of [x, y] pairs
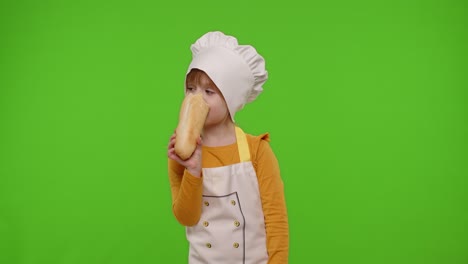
{"points": [[242, 145]]}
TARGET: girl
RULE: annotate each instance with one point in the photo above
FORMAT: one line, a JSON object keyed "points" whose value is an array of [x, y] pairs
{"points": [[229, 193]]}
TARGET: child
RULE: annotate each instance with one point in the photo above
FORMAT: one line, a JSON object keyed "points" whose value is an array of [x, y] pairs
{"points": [[229, 193]]}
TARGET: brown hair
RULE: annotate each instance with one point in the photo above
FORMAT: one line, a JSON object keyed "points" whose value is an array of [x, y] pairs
{"points": [[196, 76]]}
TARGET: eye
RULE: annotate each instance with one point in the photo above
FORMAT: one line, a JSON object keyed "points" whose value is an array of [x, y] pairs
{"points": [[189, 89], [209, 92]]}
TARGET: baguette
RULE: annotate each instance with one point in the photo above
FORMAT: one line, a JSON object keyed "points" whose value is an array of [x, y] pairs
{"points": [[193, 113]]}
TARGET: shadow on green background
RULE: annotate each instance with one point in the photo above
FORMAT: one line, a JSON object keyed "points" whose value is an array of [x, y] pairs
{"points": [[366, 106]]}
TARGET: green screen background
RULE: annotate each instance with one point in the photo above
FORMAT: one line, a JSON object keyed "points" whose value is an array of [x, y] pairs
{"points": [[366, 105]]}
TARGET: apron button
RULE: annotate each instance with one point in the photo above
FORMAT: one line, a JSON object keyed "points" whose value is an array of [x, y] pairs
{"points": [[236, 223], [233, 202], [206, 223], [207, 203], [208, 245], [235, 245]]}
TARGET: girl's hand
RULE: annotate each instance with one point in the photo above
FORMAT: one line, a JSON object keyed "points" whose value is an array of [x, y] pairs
{"points": [[192, 164]]}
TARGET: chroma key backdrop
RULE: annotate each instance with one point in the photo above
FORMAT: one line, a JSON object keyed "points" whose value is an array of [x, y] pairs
{"points": [[366, 106]]}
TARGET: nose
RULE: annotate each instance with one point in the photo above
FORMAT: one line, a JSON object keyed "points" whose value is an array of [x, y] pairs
{"points": [[193, 91], [204, 97]]}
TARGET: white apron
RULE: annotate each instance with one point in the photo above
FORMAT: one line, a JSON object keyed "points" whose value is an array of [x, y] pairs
{"points": [[232, 226]]}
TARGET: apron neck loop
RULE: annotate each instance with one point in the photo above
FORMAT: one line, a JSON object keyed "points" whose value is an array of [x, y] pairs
{"points": [[242, 145]]}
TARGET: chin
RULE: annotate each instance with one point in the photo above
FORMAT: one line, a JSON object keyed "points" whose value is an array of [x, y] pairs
{"points": [[211, 123], [215, 120]]}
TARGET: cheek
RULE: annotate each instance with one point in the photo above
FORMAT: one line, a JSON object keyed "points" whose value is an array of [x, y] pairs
{"points": [[221, 106], [214, 102], [217, 108]]}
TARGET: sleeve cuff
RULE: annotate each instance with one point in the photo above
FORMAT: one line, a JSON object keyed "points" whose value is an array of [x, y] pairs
{"points": [[192, 179]]}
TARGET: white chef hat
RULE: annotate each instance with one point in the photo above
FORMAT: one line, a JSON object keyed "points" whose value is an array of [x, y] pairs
{"points": [[237, 70]]}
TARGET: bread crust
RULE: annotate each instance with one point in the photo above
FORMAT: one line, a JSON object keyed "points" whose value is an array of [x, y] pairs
{"points": [[192, 116]]}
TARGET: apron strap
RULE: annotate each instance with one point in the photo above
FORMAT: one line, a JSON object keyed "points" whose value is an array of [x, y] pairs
{"points": [[242, 145]]}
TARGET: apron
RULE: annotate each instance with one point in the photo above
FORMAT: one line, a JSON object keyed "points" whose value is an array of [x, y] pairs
{"points": [[232, 226]]}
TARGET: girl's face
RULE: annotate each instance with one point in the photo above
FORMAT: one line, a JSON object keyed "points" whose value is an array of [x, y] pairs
{"points": [[199, 82]]}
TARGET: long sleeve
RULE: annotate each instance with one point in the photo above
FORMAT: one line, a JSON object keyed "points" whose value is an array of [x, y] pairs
{"points": [[186, 191], [273, 202]]}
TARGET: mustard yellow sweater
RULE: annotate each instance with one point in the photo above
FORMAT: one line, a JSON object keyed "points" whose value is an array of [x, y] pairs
{"points": [[187, 191]]}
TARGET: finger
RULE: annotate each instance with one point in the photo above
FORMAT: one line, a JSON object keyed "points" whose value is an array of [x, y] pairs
{"points": [[172, 141], [171, 144], [198, 151], [173, 156], [170, 152]]}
